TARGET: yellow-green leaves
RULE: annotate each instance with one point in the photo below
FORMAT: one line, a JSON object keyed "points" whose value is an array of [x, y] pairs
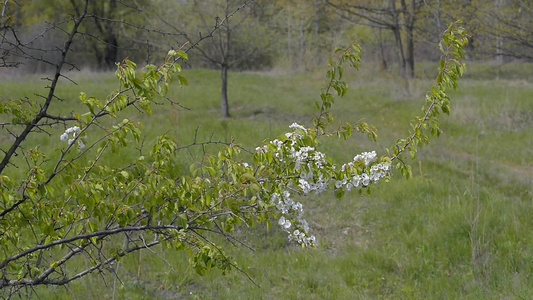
{"points": [[451, 68], [352, 55], [21, 111]]}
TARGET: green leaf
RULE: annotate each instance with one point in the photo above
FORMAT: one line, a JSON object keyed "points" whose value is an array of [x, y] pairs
{"points": [[125, 174], [339, 193]]}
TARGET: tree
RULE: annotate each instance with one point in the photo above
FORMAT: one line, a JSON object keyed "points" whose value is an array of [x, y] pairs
{"points": [[78, 202], [397, 16], [102, 38], [508, 23], [241, 41], [105, 45], [499, 28], [304, 29]]}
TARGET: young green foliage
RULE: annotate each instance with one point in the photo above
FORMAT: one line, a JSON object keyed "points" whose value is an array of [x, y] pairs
{"points": [[79, 207], [451, 68]]}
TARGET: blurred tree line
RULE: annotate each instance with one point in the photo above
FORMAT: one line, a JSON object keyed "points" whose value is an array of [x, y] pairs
{"points": [[291, 34]]}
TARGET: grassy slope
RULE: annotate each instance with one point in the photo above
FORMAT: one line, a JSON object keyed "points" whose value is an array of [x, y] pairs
{"points": [[460, 229]]}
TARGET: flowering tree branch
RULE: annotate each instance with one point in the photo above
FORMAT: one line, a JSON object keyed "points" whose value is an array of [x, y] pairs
{"points": [[76, 205], [451, 68]]}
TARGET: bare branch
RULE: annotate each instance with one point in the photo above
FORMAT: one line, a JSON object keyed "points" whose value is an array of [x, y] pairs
{"points": [[100, 234], [51, 92]]}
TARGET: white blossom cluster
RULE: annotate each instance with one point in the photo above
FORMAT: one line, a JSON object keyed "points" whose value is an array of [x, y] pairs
{"points": [[306, 159], [313, 175], [366, 157], [372, 174], [292, 214], [308, 183], [309, 164], [297, 126], [75, 131], [302, 238]]}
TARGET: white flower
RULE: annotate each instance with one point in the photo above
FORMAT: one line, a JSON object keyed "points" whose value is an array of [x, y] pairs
{"points": [[75, 131], [274, 197], [356, 181], [366, 157], [72, 129], [307, 149], [365, 179], [297, 207], [282, 207], [306, 176], [286, 224], [297, 126], [321, 185], [277, 143], [304, 185], [378, 171], [349, 187], [305, 225]]}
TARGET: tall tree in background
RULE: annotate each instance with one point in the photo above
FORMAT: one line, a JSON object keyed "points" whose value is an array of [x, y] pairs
{"points": [[103, 38], [106, 42], [300, 24], [436, 14], [112, 28], [397, 16], [509, 24], [499, 29]]}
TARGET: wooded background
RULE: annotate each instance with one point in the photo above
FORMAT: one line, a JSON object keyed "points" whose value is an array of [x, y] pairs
{"points": [[294, 35]]}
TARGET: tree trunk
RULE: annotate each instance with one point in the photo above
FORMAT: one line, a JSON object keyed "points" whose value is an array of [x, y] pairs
{"points": [[499, 40], [108, 54], [289, 38], [379, 42], [316, 30], [409, 14], [111, 51], [224, 91], [301, 44], [398, 37]]}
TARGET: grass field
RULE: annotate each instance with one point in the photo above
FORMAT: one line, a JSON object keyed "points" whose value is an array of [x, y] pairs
{"points": [[460, 229]]}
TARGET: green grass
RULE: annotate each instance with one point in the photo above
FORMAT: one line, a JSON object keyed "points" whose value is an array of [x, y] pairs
{"points": [[460, 229]]}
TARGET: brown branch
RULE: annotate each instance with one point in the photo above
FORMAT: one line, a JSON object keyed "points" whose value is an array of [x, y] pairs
{"points": [[42, 280], [99, 234], [51, 92]]}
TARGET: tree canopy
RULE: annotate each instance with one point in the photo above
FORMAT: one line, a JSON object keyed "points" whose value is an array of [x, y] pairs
{"points": [[292, 34]]}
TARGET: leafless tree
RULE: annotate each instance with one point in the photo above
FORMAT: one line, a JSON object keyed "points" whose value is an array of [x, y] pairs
{"points": [[387, 14], [237, 41]]}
